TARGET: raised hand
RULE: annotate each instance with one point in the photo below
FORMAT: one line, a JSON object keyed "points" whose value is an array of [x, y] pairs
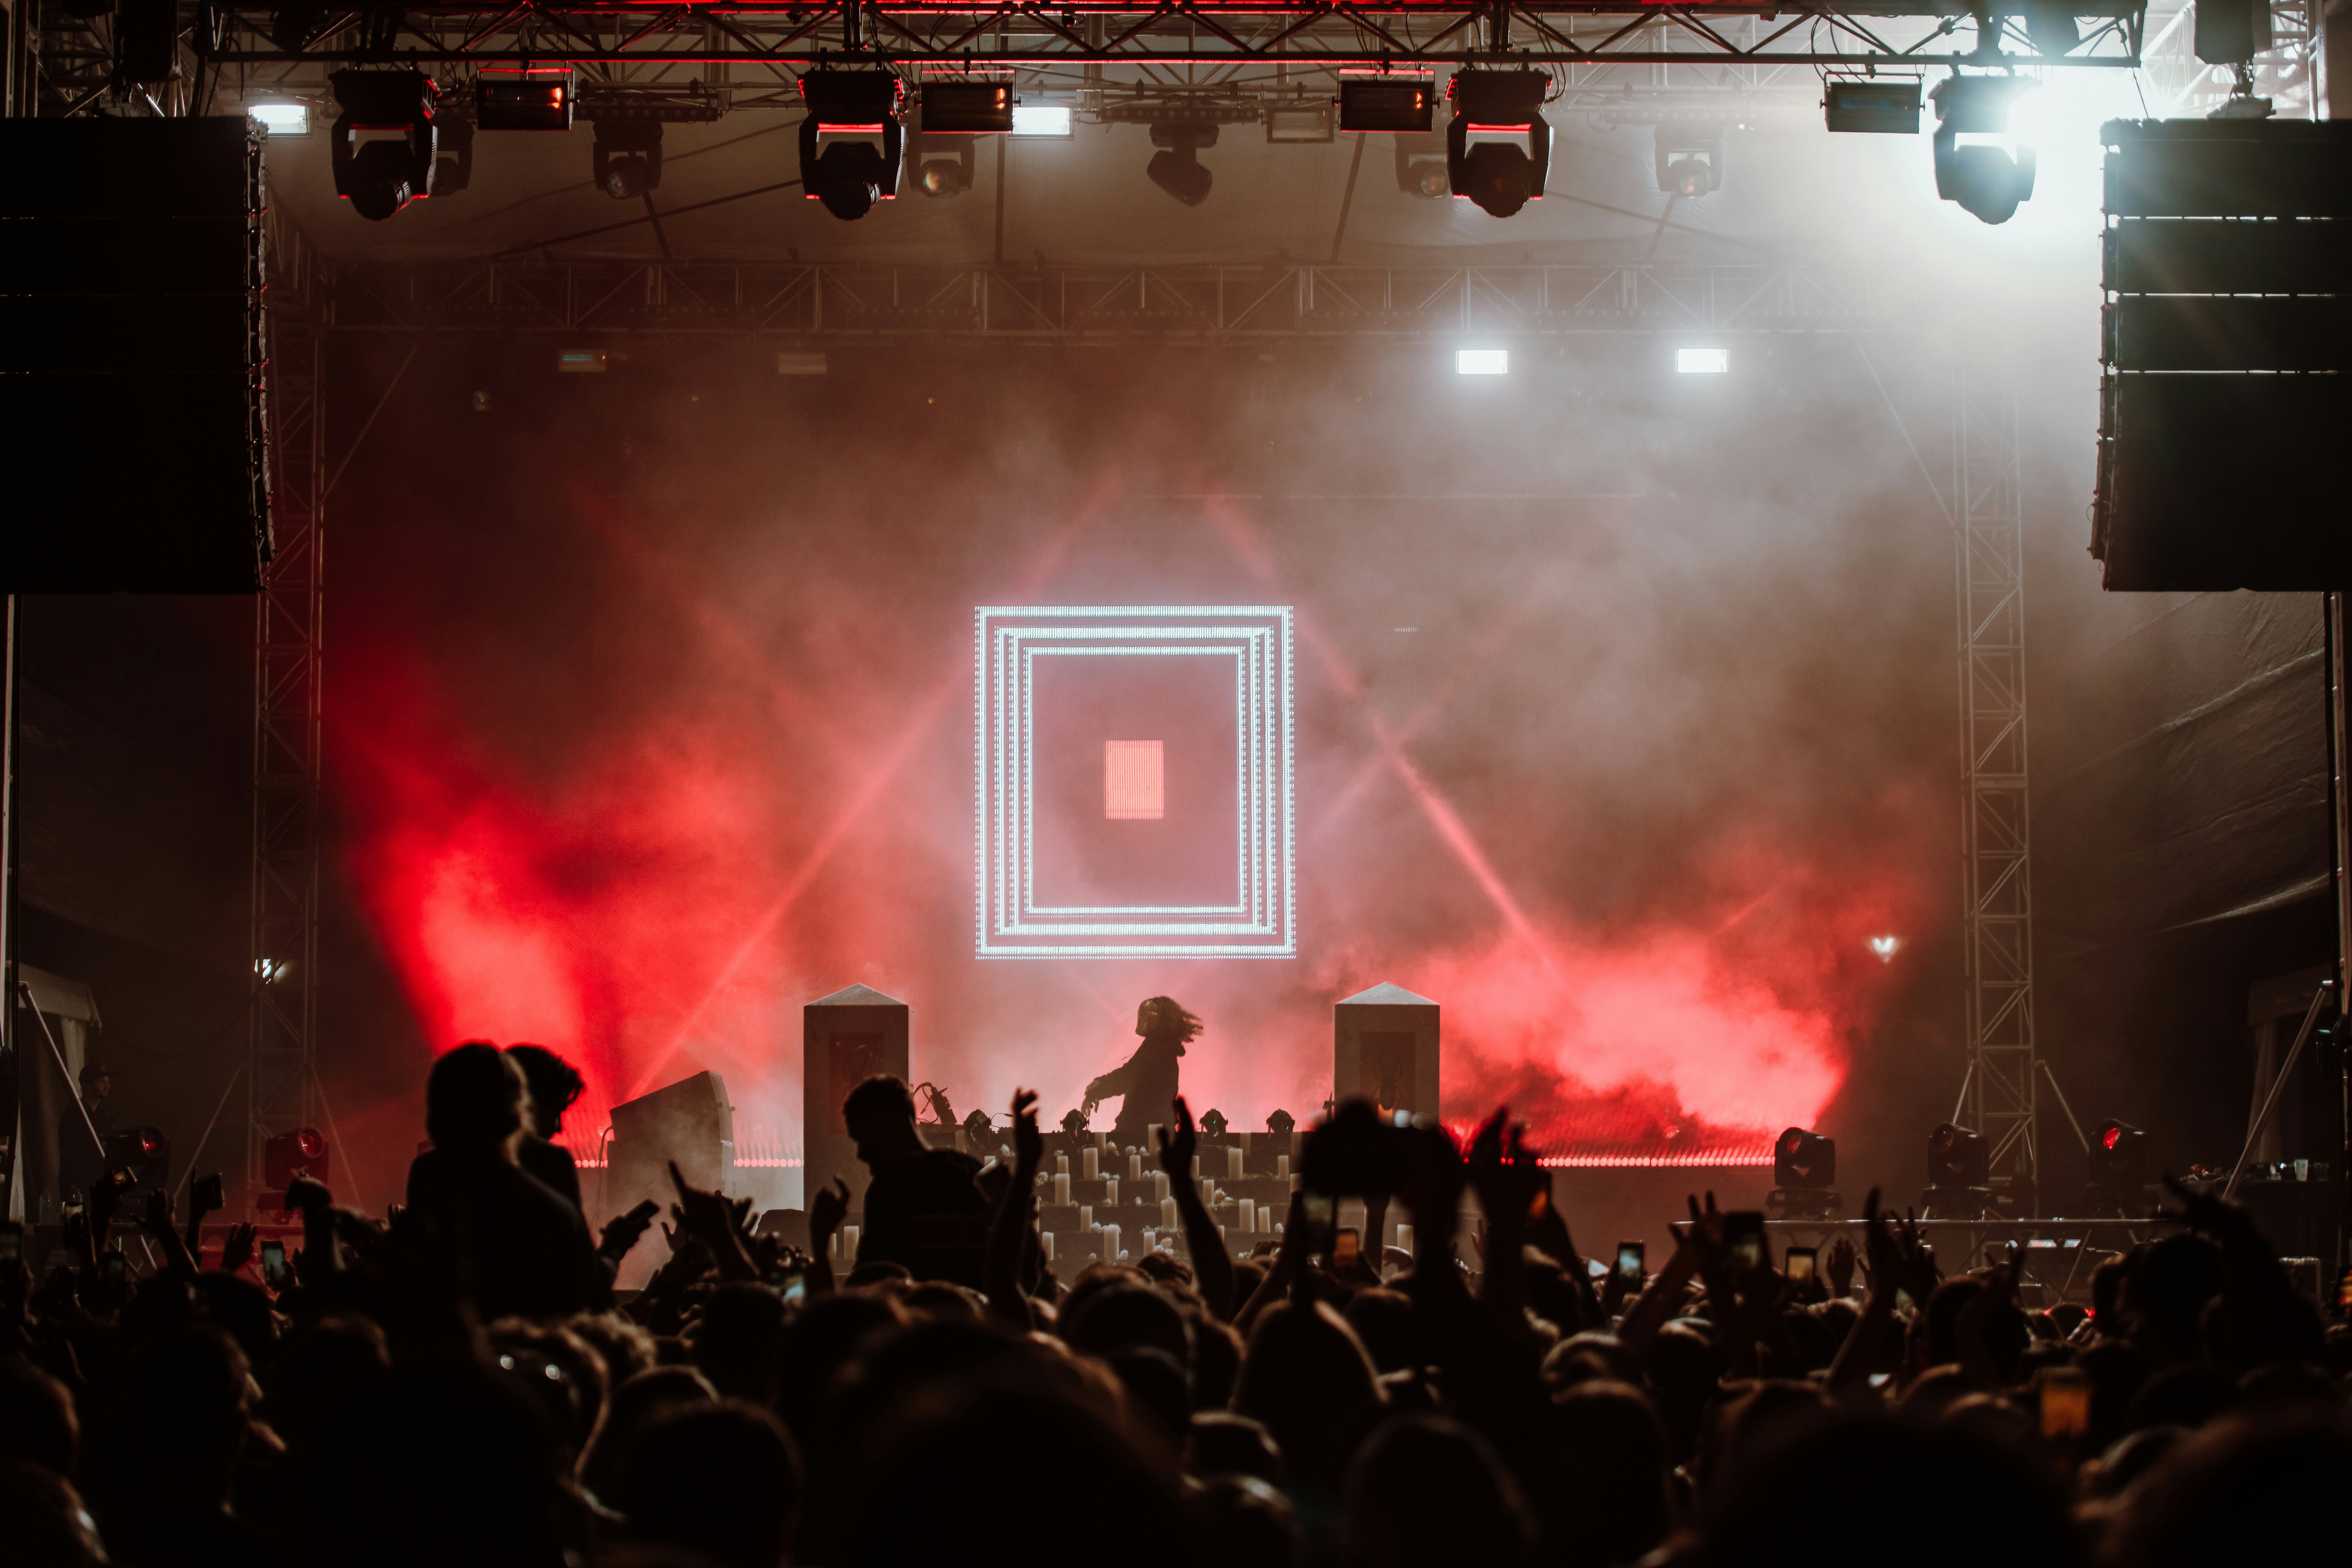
{"points": [[711, 1220], [1176, 1149], [828, 1210], [236, 1251], [623, 1231], [1702, 1238], [156, 1221], [1028, 1144], [1977, 1315], [1837, 1266]]}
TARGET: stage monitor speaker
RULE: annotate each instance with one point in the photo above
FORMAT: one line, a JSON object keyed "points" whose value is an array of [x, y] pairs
{"points": [[1384, 1050], [2226, 339], [846, 1038], [131, 343], [690, 1121]]}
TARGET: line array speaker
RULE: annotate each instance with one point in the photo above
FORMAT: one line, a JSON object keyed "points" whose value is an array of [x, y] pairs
{"points": [[132, 352], [2225, 341]]}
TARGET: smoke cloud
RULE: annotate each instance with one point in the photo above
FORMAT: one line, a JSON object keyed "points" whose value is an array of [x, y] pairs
{"points": [[1623, 714]]}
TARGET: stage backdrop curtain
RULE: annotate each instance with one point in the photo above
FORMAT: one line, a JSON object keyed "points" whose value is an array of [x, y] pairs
{"points": [[2188, 781]]}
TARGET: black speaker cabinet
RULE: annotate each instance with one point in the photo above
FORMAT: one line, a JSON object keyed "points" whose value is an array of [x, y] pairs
{"points": [[690, 1121], [2226, 336], [132, 354], [1384, 1050]]}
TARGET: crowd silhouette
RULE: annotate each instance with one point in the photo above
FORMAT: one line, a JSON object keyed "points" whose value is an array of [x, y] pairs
{"points": [[458, 1386]]}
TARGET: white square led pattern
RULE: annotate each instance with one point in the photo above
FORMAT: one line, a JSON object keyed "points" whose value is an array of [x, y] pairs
{"points": [[1256, 642]]}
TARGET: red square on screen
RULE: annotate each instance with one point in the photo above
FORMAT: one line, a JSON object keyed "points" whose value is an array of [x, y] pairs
{"points": [[1133, 786]]}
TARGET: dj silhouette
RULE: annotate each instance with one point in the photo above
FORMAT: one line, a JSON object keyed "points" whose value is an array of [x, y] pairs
{"points": [[1147, 1079]]}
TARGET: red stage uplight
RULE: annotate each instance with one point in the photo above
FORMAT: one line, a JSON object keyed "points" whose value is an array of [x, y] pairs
{"points": [[310, 1143], [2112, 1136]]}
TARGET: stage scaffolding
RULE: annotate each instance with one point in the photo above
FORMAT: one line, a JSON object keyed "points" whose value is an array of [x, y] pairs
{"points": [[577, 304], [819, 301], [281, 1042], [1998, 1090]]}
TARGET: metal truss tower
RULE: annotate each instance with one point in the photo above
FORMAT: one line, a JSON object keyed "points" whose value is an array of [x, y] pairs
{"points": [[280, 1070], [1997, 1096]]}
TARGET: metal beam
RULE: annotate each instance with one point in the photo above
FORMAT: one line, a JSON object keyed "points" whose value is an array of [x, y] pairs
{"points": [[1882, 33], [584, 300]]}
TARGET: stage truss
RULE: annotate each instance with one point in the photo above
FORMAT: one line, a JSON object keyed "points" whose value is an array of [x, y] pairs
{"points": [[823, 302], [1110, 60], [281, 1043]]}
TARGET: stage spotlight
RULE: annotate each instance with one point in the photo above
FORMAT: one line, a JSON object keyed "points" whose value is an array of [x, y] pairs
{"points": [[282, 121], [1690, 160], [1702, 362], [1176, 167], [627, 156], [942, 168], [1482, 362], [1886, 947], [2119, 1155], [302, 1152], [1872, 108], [1957, 1158], [1214, 1123], [1984, 178], [850, 177], [139, 1157], [1421, 165], [523, 100], [1804, 1160], [1402, 104], [1501, 177], [381, 176]]}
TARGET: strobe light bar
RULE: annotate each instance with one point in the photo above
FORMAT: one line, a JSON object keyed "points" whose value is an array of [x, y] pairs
{"points": [[1500, 176], [1402, 105], [850, 176], [383, 174], [1872, 108], [523, 101], [968, 108]]}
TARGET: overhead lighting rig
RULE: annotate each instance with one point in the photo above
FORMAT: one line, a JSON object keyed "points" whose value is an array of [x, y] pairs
{"points": [[627, 156], [1984, 177], [955, 114], [850, 176], [1500, 176], [1689, 159], [1176, 168], [385, 173], [1421, 165]]}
